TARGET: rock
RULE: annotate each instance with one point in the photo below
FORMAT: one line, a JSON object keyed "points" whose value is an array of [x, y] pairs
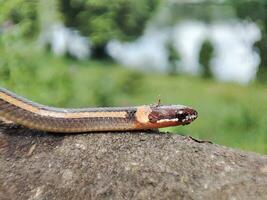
{"points": [[131, 165]]}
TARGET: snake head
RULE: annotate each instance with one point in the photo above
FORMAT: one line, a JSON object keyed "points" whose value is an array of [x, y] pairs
{"points": [[164, 116], [175, 115]]}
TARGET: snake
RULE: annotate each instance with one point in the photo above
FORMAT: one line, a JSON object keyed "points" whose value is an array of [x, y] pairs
{"points": [[18, 110]]}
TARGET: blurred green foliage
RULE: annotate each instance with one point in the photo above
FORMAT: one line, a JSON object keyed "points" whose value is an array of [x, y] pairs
{"points": [[228, 114], [109, 19], [62, 82], [21, 15]]}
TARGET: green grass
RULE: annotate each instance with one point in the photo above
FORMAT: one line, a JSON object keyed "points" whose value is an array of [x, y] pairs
{"points": [[229, 114]]}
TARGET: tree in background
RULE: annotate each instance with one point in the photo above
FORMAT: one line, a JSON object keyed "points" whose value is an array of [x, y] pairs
{"points": [[173, 57], [205, 57], [108, 19], [21, 15], [18, 22]]}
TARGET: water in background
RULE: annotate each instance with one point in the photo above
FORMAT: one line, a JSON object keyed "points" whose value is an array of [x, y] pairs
{"points": [[234, 58]]}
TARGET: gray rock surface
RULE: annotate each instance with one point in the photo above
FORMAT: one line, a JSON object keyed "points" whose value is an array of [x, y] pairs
{"points": [[136, 165]]}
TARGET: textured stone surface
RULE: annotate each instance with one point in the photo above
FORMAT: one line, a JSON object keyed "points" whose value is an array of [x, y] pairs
{"points": [[135, 165]]}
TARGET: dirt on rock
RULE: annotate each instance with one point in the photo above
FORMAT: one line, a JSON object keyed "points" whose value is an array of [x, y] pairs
{"points": [[126, 165]]}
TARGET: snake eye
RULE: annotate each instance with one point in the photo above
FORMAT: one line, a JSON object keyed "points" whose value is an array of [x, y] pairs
{"points": [[181, 116]]}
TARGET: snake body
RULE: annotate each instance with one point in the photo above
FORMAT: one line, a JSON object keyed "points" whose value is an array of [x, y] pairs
{"points": [[18, 110]]}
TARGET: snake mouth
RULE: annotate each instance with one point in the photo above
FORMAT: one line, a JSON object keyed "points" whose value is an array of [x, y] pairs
{"points": [[183, 118], [187, 115]]}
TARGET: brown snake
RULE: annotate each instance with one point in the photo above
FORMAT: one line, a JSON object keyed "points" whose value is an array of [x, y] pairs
{"points": [[18, 110]]}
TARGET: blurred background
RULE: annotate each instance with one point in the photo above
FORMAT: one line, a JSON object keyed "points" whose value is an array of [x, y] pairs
{"points": [[208, 54]]}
